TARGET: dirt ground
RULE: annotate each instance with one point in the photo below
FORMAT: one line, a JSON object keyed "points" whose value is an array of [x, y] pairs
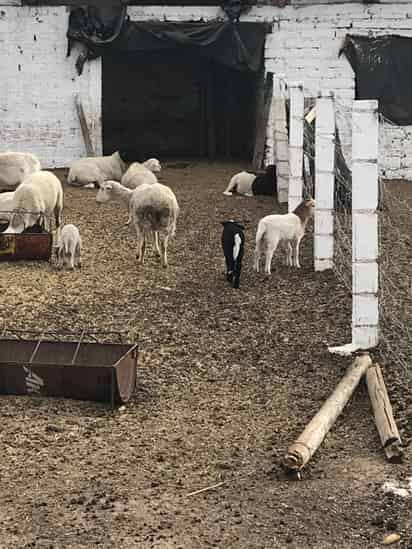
{"points": [[226, 380]]}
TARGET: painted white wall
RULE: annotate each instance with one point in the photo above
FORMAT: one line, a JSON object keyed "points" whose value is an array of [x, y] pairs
{"points": [[37, 102], [38, 85]]}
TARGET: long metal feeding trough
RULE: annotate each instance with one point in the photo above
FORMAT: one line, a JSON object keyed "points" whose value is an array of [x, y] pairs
{"points": [[66, 365]]}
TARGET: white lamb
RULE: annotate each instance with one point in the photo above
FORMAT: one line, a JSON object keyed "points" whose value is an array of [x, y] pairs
{"points": [[96, 170], [136, 175], [6, 205], [154, 210], [288, 228], [69, 247], [36, 200], [14, 167]]}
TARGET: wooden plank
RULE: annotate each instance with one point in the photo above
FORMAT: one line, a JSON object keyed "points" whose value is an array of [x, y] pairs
{"points": [[311, 438], [83, 124], [264, 100], [382, 410]]}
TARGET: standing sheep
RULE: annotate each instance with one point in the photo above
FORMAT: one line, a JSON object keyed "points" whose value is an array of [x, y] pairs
{"points": [[288, 228], [250, 184], [96, 170], [37, 198], [69, 247], [14, 167], [112, 190], [154, 211], [233, 244]]}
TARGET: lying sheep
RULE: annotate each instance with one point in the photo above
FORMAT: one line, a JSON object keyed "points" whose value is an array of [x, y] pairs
{"points": [[69, 248], [288, 228], [233, 244], [136, 175], [96, 170], [154, 210], [36, 199], [14, 167], [250, 184]]}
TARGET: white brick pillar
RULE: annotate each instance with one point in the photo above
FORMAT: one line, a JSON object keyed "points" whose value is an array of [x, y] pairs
{"points": [[324, 180], [280, 137], [295, 144], [365, 249]]}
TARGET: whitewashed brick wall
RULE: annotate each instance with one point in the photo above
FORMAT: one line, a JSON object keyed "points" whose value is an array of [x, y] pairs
{"points": [[38, 84], [37, 100]]}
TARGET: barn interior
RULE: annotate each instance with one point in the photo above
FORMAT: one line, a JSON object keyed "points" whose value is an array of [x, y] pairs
{"points": [[174, 104]]}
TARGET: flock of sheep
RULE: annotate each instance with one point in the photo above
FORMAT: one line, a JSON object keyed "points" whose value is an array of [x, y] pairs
{"points": [[33, 196]]}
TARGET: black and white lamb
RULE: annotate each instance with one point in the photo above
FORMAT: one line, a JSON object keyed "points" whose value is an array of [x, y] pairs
{"points": [[233, 244]]}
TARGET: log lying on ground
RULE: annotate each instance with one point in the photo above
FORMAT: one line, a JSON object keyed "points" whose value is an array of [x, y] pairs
{"points": [[382, 410], [311, 438]]}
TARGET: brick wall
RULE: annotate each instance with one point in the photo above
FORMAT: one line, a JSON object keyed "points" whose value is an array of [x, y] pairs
{"points": [[38, 85], [37, 96]]}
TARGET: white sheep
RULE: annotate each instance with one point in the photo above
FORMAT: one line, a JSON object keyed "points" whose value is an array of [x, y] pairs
{"points": [[6, 205], [241, 183], [113, 190], [96, 170], [69, 247], [152, 164], [136, 175], [14, 167], [154, 210], [288, 228], [36, 199]]}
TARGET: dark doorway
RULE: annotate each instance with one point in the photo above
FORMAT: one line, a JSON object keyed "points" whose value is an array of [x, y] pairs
{"points": [[176, 104]]}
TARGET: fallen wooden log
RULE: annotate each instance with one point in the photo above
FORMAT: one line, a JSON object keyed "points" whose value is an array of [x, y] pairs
{"points": [[382, 410], [311, 438]]}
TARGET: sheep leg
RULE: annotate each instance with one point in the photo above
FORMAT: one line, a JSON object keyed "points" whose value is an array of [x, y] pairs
{"points": [[270, 250], [163, 249], [237, 271], [231, 187], [289, 259], [78, 256], [156, 242], [72, 260], [296, 250]]}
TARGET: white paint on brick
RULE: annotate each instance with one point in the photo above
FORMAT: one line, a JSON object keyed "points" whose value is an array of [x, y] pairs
{"points": [[324, 181], [304, 46], [37, 98], [365, 247]]}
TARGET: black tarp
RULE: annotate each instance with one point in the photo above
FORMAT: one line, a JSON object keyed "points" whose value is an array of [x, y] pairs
{"points": [[239, 46], [383, 71]]}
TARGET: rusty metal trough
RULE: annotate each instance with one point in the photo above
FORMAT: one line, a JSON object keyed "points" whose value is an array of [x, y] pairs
{"points": [[80, 368], [36, 244]]}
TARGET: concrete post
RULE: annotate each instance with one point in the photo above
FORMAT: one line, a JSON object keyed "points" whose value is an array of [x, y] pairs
{"points": [[280, 137], [365, 248], [295, 144], [324, 180]]}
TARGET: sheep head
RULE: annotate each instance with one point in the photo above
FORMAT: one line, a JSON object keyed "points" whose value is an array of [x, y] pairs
{"points": [[104, 194], [153, 165]]}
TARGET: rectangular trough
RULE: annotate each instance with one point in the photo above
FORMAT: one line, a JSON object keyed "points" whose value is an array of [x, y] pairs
{"points": [[103, 372], [26, 246]]}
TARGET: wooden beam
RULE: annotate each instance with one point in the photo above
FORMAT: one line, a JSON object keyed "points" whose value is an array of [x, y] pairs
{"points": [[382, 410], [264, 100], [83, 124], [311, 438]]}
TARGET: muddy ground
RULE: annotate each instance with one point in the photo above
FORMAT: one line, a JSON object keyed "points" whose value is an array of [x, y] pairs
{"points": [[226, 380]]}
